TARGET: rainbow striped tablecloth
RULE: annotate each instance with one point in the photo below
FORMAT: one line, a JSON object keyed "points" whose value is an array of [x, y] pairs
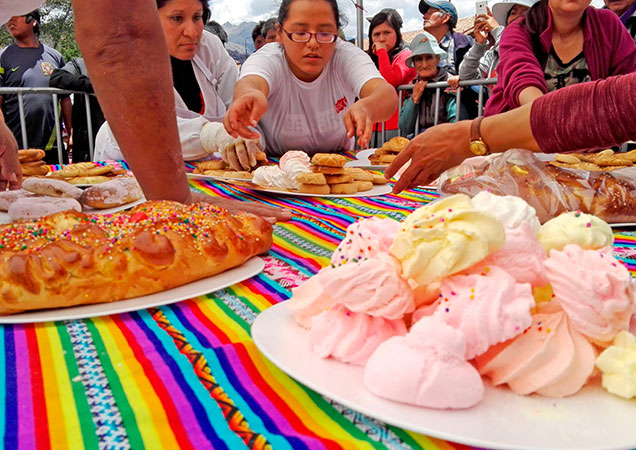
{"points": [[188, 375]]}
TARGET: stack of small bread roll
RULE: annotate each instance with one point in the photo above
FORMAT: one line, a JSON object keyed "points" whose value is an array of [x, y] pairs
{"points": [[31, 162], [329, 176], [219, 168], [389, 150]]}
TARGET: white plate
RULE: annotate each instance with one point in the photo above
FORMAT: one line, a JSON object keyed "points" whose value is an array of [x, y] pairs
{"points": [[623, 225], [378, 189], [4, 216], [191, 290], [115, 208], [591, 419], [362, 161]]}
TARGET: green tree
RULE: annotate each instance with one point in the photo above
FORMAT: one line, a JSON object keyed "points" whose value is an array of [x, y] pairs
{"points": [[56, 28]]}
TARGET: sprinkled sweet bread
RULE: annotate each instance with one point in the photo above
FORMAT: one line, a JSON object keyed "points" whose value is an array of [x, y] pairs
{"points": [[72, 258]]}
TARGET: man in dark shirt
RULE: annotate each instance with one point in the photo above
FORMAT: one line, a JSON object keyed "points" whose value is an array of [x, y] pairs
{"points": [[74, 77], [29, 63]]}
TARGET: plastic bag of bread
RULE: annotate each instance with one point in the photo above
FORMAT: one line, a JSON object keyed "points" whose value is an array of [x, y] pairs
{"points": [[72, 258], [549, 189]]}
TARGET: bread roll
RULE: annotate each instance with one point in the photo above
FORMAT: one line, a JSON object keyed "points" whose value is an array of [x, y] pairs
{"points": [[33, 207], [109, 194], [52, 188], [34, 168], [72, 258], [30, 154]]}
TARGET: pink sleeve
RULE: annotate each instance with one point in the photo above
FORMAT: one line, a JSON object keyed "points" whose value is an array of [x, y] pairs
{"points": [[518, 67], [397, 73], [590, 115]]}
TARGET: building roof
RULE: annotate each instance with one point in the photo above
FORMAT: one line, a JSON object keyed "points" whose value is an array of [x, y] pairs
{"points": [[464, 25]]}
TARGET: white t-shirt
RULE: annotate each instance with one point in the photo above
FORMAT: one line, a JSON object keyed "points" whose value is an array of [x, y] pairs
{"points": [[10, 8], [308, 116]]}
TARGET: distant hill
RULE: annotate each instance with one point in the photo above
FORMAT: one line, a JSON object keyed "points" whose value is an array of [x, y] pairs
{"points": [[240, 44]]}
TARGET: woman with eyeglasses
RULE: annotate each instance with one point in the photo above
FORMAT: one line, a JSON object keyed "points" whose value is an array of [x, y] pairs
{"points": [[301, 94]]}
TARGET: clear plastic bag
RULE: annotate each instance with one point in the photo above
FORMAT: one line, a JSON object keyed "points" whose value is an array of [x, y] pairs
{"points": [[549, 189]]}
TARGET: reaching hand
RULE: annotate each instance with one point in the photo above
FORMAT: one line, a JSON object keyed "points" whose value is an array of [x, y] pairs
{"points": [[270, 213], [10, 171], [357, 121], [432, 152], [241, 153], [244, 112]]}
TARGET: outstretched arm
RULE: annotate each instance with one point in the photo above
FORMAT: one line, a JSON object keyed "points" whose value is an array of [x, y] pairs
{"points": [[127, 59]]}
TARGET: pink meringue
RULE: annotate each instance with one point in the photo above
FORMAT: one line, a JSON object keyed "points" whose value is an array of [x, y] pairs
{"points": [[309, 299], [293, 163], [426, 368], [521, 256], [550, 358], [297, 156], [487, 309], [373, 286], [366, 238], [350, 337], [594, 289]]}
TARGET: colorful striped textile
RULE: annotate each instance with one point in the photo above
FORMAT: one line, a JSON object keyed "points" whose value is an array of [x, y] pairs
{"points": [[188, 375]]}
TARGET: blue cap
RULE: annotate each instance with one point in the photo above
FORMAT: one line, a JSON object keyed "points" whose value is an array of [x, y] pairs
{"points": [[442, 5]]}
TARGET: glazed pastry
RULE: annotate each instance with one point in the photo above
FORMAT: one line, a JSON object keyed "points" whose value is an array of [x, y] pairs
{"points": [[116, 192], [52, 188]]}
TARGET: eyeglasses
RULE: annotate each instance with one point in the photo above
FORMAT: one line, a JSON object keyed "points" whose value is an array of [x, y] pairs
{"points": [[305, 36]]}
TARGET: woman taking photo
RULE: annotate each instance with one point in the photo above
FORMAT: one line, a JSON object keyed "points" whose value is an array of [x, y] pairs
{"points": [[204, 75], [559, 43], [387, 52], [301, 93]]}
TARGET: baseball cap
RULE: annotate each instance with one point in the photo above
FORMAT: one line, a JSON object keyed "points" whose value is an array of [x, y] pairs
{"points": [[424, 44], [442, 5]]}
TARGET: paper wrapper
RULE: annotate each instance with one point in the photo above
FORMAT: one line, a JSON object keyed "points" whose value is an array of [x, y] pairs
{"points": [[550, 190]]}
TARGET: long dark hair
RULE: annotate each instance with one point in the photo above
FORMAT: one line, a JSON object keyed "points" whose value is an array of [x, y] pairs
{"points": [[392, 17], [283, 12], [536, 22], [206, 9]]}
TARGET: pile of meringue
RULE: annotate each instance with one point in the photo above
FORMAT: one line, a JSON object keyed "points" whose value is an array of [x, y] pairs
{"points": [[283, 176], [470, 288]]}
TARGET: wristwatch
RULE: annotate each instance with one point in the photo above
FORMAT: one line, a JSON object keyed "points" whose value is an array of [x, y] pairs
{"points": [[477, 144]]}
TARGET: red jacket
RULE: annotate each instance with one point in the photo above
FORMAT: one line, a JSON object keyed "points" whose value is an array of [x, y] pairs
{"points": [[396, 74], [608, 49]]}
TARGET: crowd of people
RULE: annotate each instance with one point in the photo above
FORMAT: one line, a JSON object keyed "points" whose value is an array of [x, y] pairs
{"points": [[305, 88]]}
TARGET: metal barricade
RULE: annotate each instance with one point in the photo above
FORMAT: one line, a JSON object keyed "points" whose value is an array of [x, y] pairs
{"points": [[54, 92], [438, 89]]}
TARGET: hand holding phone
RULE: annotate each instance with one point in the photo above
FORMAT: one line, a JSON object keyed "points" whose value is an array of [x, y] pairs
{"points": [[481, 7]]}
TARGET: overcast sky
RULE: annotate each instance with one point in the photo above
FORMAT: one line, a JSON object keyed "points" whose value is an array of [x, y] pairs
{"points": [[253, 10]]}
